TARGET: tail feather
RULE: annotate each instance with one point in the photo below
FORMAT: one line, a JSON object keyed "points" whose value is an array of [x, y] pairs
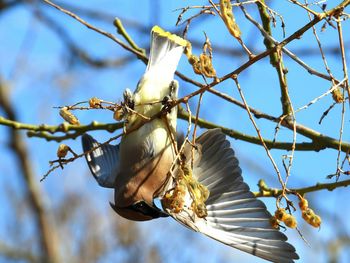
{"points": [[166, 51]]}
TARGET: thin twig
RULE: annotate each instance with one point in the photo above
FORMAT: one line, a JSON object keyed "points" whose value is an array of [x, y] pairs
{"points": [[258, 132], [287, 51], [321, 96], [88, 25], [63, 162], [343, 58]]}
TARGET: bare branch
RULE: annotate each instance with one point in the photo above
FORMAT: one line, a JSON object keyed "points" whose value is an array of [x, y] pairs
{"points": [[47, 235]]}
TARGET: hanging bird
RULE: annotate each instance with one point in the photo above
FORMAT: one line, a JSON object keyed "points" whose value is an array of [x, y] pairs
{"points": [[139, 165], [203, 189]]}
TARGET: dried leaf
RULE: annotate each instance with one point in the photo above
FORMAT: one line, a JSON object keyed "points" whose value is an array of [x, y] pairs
{"points": [[337, 95], [229, 19]]}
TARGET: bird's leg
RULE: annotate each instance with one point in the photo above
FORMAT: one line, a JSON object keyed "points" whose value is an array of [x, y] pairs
{"points": [[168, 104], [127, 106], [128, 99], [169, 100], [173, 87]]}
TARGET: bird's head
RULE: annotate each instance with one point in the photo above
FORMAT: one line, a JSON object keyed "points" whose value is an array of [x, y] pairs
{"points": [[139, 211]]}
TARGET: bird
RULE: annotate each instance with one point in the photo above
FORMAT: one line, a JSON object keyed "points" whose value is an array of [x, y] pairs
{"points": [[138, 166], [199, 184]]}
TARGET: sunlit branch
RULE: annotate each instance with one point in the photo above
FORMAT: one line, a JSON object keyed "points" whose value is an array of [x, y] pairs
{"points": [[274, 192]]}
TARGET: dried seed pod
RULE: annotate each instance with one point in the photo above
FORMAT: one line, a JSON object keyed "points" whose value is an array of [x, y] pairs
{"points": [[203, 64], [204, 191], [68, 116], [188, 50], [280, 213], [174, 200], [315, 221], [199, 209], [337, 95], [290, 221], [177, 205], [193, 59], [95, 103], [196, 65], [118, 114], [207, 66], [274, 222], [62, 150], [229, 19], [303, 204], [307, 214], [311, 218]]}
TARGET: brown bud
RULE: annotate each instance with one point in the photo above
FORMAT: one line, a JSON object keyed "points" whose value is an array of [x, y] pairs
{"points": [[315, 221], [95, 103], [337, 95], [62, 150], [303, 204], [280, 213], [274, 222], [290, 221], [118, 113], [307, 214]]}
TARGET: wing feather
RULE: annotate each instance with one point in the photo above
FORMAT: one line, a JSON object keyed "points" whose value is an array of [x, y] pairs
{"points": [[103, 161], [235, 216]]}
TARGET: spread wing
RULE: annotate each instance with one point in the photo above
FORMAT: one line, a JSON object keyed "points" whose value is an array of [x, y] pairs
{"points": [[103, 161], [235, 216]]}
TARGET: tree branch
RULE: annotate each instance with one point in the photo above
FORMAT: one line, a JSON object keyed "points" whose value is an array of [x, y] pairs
{"points": [[265, 191], [16, 253], [47, 235]]}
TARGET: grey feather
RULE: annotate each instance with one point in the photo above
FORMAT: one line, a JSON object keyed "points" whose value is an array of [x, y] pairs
{"points": [[103, 161], [235, 216]]}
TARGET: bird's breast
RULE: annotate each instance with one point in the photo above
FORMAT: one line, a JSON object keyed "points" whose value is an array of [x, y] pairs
{"points": [[146, 156]]}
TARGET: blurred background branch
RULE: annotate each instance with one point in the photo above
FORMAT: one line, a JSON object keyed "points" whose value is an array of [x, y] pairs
{"points": [[47, 232], [49, 59]]}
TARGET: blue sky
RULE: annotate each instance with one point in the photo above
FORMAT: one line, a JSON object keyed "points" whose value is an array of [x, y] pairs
{"points": [[36, 65]]}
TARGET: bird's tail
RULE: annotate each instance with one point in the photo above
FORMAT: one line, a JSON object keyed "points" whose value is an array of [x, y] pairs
{"points": [[165, 53]]}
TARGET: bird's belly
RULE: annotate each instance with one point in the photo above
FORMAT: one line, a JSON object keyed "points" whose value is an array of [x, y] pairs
{"points": [[146, 157]]}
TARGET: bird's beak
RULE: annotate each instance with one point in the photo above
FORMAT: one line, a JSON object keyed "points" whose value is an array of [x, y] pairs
{"points": [[140, 211]]}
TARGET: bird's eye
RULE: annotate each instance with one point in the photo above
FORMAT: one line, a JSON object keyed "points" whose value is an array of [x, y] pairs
{"points": [[147, 210]]}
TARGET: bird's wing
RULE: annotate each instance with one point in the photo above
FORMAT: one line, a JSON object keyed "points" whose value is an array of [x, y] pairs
{"points": [[235, 216], [103, 161]]}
